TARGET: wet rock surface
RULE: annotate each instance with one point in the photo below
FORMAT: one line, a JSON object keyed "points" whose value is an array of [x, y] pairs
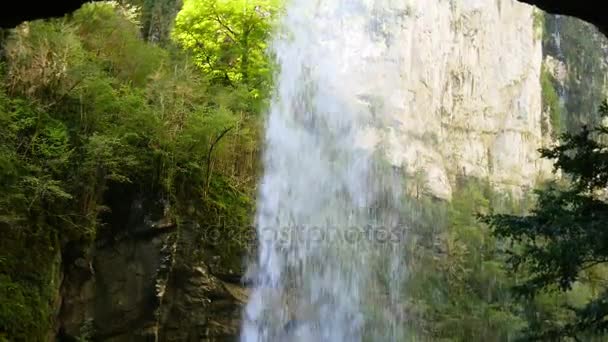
{"points": [[150, 287]]}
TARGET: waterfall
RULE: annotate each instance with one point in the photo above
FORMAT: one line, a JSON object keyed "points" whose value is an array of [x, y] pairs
{"points": [[329, 266]]}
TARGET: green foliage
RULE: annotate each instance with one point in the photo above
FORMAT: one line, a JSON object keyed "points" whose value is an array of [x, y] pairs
{"points": [[461, 286], [581, 49], [87, 107], [16, 315], [538, 22], [116, 41], [551, 103], [460, 289], [561, 244], [228, 40], [26, 290], [87, 331]]}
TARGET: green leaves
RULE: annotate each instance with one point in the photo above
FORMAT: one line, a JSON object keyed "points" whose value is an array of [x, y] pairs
{"points": [[44, 189], [108, 31], [584, 59], [92, 116], [564, 238], [551, 102], [228, 40], [459, 286]]}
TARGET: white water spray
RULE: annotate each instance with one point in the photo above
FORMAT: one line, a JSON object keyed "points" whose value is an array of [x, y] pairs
{"points": [[329, 267]]}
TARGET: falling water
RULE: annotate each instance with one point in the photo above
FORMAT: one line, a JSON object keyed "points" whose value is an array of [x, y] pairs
{"points": [[328, 267]]}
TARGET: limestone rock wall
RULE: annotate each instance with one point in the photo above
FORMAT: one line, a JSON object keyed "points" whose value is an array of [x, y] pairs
{"points": [[471, 100], [157, 283]]}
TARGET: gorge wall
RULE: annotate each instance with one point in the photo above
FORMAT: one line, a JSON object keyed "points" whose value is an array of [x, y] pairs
{"points": [[154, 280], [574, 69], [471, 97], [477, 79]]}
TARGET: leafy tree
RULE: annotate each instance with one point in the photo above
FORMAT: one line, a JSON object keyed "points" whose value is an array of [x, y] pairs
{"points": [[91, 116], [228, 40], [563, 242]]}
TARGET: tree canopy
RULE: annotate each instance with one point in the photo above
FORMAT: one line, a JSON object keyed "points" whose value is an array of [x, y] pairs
{"points": [[563, 242], [228, 40]]}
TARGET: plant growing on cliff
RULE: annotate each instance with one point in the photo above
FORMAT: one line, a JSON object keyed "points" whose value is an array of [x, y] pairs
{"points": [[87, 331], [551, 103], [538, 22], [581, 48], [561, 244], [91, 117]]}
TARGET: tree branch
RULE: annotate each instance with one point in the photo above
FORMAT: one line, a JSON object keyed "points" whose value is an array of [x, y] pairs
{"points": [[209, 154]]}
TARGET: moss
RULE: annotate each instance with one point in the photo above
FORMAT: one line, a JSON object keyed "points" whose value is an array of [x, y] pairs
{"points": [[538, 22], [551, 103], [29, 269]]}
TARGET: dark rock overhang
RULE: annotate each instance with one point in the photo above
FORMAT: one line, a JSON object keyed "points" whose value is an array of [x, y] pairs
{"points": [[12, 13], [593, 12], [15, 12]]}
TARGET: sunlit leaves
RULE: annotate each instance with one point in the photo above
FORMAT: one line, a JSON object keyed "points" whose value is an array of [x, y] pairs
{"points": [[228, 40]]}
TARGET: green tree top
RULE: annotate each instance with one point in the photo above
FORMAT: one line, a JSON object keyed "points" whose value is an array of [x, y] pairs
{"points": [[228, 40]]}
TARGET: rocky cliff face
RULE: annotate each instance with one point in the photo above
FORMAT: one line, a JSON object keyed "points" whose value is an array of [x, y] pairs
{"points": [[154, 280], [576, 58], [470, 101]]}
